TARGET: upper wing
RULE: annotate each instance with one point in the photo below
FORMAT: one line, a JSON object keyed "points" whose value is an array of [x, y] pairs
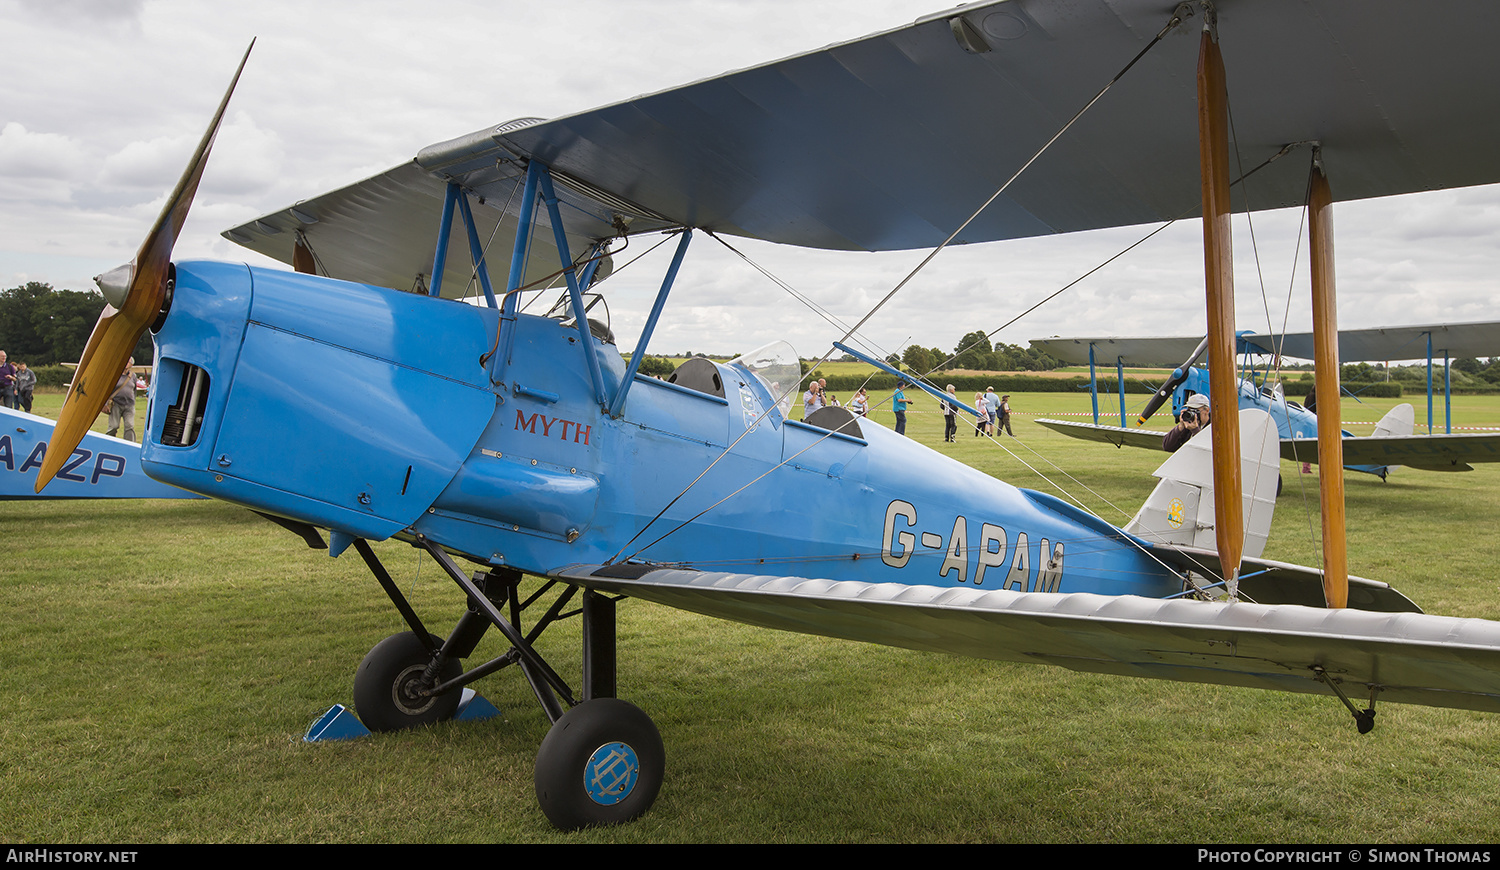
{"points": [[891, 141], [1155, 351], [384, 231], [1411, 657], [1390, 343], [1355, 345]]}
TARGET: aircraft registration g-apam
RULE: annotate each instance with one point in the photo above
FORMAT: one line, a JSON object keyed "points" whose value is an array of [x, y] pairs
{"points": [[1393, 442], [524, 443]]}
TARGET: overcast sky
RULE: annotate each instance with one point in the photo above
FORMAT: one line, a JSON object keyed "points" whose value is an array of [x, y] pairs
{"points": [[101, 101]]}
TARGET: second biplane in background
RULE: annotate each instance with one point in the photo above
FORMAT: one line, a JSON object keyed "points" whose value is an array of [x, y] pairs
{"points": [[1392, 444], [99, 467]]}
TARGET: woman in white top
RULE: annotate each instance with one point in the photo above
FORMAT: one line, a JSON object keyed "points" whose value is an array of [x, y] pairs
{"points": [[950, 416]]}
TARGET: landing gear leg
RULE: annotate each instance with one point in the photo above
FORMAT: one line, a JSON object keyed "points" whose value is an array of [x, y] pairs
{"points": [[602, 762]]}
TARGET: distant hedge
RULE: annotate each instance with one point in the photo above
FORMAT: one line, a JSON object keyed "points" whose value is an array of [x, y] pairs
{"points": [[1381, 390], [978, 383], [1008, 383], [53, 376]]}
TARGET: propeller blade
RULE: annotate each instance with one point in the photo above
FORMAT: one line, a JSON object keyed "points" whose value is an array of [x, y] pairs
{"points": [[136, 295], [1172, 383]]}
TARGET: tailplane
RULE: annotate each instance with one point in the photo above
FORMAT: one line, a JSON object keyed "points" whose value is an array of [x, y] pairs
{"points": [[1181, 508]]}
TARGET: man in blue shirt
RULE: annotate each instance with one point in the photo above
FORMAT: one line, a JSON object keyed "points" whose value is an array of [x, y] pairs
{"points": [[898, 404], [991, 410]]}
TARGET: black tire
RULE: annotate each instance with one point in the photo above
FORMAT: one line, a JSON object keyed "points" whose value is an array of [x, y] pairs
{"points": [[601, 764], [387, 670]]}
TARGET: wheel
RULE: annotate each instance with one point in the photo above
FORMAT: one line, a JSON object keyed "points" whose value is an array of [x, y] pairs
{"points": [[601, 764], [384, 683]]}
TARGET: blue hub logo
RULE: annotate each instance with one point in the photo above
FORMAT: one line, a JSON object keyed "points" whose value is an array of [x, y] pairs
{"points": [[610, 773]]}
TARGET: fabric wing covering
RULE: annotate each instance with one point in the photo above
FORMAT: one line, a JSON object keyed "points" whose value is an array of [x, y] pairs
{"points": [[1414, 657], [891, 141]]}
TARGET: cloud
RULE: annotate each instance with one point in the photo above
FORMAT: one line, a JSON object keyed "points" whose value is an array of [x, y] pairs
{"points": [[152, 164], [25, 154], [338, 91], [87, 14], [247, 160]]}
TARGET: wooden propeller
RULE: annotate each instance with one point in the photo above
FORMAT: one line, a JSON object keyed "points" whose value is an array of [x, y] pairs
{"points": [[137, 294]]}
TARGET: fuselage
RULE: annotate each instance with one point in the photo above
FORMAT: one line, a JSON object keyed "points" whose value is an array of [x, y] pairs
{"points": [[377, 413]]}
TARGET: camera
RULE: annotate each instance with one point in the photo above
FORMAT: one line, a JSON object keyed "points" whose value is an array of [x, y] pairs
{"points": [[1190, 415]]}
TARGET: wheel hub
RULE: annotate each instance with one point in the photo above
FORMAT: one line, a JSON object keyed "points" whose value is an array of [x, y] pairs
{"points": [[610, 773], [408, 692]]}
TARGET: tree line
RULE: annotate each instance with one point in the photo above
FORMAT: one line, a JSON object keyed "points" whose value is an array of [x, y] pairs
{"points": [[1466, 373], [42, 326], [975, 353]]}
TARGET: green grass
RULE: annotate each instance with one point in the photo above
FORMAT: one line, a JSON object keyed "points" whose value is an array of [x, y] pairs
{"points": [[163, 659]]}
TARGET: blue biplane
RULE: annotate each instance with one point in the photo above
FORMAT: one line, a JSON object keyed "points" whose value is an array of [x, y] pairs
{"points": [[522, 443], [1392, 443]]}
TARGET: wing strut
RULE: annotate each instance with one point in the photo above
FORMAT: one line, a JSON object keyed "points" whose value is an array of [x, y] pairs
{"points": [[1326, 383], [505, 340], [618, 406], [1218, 272], [580, 314]]}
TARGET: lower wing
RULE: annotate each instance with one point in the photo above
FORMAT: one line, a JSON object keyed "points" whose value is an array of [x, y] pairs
{"points": [[1428, 452], [1116, 435], [1407, 657]]}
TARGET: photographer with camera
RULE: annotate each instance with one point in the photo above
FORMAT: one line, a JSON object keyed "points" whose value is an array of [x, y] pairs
{"points": [[1194, 418]]}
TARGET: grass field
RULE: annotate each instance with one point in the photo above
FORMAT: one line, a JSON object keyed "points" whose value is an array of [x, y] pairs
{"points": [[163, 659]]}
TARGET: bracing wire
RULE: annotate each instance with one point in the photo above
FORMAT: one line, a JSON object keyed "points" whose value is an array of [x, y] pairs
{"points": [[853, 330], [1172, 22]]}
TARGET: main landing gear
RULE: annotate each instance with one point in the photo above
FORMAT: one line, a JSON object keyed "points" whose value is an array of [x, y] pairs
{"points": [[601, 763]]}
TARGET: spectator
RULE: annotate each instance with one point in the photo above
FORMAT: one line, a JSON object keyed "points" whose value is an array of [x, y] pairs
{"points": [[25, 384], [122, 404], [1194, 418], [7, 382]]}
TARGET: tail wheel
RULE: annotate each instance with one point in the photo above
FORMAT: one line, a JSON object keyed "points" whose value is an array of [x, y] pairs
{"points": [[601, 764], [388, 690]]}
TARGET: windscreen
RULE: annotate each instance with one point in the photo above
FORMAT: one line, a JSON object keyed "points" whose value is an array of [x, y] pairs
{"points": [[774, 369]]}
